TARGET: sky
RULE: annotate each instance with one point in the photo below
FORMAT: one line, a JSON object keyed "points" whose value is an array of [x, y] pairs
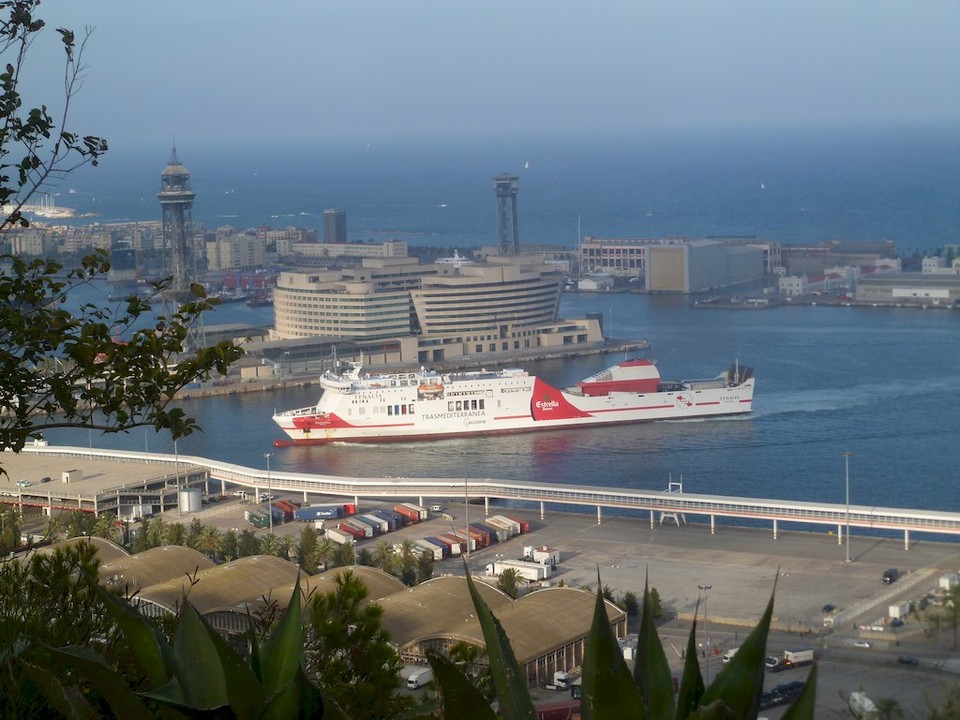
{"points": [[294, 71]]}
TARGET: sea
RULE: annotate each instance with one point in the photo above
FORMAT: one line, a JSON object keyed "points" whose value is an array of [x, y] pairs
{"points": [[880, 383]]}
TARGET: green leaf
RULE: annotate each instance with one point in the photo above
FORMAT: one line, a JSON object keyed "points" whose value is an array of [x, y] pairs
{"points": [[199, 669], [740, 682], [458, 696], [804, 706], [71, 706], [608, 691], [509, 681], [282, 654], [246, 694], [145, 640], [691, 683], [651, 672], [300, 698], [122, 700]]}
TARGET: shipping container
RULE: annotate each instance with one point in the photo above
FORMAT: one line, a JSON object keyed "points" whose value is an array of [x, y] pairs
{"points": [[339, 537], [318, 512], [466, 538], [482, 534], [276, 512], [380, 526], [496, 521], [424, 546], [444, 545], [256, 519], [359, 525], [511, 526], [422, 512], [395, 520], [410, 515], [373, 524], [524, 525], [356, 532], [497, 534], [349, 509], [458, 545]]}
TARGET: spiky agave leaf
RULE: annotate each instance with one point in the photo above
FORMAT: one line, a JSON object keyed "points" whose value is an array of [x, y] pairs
{"points": [[72, 706], [458, 696], [739, 684], [282, 656], [512, 693], [651, 672], [804, 706], [124, 702], [145, 639], [608, 691], [691, 682]]}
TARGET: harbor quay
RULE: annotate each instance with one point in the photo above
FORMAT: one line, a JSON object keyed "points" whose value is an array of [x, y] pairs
{"points": [[723, 573]]}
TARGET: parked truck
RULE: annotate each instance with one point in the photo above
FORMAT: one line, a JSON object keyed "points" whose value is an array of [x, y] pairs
{"points": [[318, 512], [258, 520], [392, 518], [409, 515], [419, 678], [339, 536], [422, 512]]}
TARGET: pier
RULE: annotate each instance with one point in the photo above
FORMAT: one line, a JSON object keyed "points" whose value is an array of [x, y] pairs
{"points": [[108, 480]]}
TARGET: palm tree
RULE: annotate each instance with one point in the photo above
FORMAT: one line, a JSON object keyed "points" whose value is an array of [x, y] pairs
{"points": [[288, 546], [157, 533], [407, 555], [176, 534], [384, 557], [55, 527], [344, 555], [270, 545], [104, 528], [509, 582], [210, 542], [323, 553]]}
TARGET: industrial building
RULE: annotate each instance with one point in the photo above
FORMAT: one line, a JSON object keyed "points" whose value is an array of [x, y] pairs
{"points": [[923, 289], [435, 312], [699, 265], [433, 615]]}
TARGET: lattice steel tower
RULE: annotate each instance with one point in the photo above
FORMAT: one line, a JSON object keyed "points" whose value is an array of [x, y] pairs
{"points": [[176, 199], [505, 186]]}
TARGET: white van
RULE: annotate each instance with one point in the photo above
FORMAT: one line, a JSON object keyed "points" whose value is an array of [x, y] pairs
{"points": [[728, 655]]}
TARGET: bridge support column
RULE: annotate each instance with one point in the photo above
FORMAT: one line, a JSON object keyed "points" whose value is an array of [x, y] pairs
{"points": [[651, 519], [713, 526], [541, 509], [839, 534], [774, 528], [906, 539], [599, 516], [305, 498], [356, 501]]}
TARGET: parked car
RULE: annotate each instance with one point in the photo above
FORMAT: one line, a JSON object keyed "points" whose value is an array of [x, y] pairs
{"points": [[896, 622], [828, 608], [771, 662], [23, 483], [861, 644], [44, 479], [907, 660]]}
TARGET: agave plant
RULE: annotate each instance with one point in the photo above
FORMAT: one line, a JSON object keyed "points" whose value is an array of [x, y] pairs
{"points": [[199, 675]]}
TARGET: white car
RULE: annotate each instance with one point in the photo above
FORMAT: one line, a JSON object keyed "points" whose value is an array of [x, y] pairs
{"points": [[861, 644], [23, 483]]}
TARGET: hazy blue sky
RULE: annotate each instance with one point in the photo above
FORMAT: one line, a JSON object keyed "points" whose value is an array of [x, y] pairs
{"points": [[254, 70]]}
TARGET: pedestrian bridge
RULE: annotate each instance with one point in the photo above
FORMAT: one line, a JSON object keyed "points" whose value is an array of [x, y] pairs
{"points": [[676, 506]]}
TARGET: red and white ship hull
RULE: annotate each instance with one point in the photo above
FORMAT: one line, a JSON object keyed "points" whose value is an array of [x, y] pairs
{"points": [[427, 405]]}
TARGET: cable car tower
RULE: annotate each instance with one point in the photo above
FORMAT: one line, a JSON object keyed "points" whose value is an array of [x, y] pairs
{"points": [[176, 199]]}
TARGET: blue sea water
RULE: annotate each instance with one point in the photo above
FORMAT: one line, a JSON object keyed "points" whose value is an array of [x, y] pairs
{"points": [[863, 184], [882, 384]]}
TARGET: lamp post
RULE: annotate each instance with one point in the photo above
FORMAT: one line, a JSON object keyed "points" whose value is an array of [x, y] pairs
{"points": [[846, 463], [706, 635], [269, 491], [176, 457]]}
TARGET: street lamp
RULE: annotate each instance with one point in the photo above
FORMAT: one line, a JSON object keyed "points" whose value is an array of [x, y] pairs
{"points": [[706, 635], [846, 463], [176, 456], [269, 491]]}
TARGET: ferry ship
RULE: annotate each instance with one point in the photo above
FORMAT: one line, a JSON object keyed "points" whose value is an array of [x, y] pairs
{"points": [[425, 405]]}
